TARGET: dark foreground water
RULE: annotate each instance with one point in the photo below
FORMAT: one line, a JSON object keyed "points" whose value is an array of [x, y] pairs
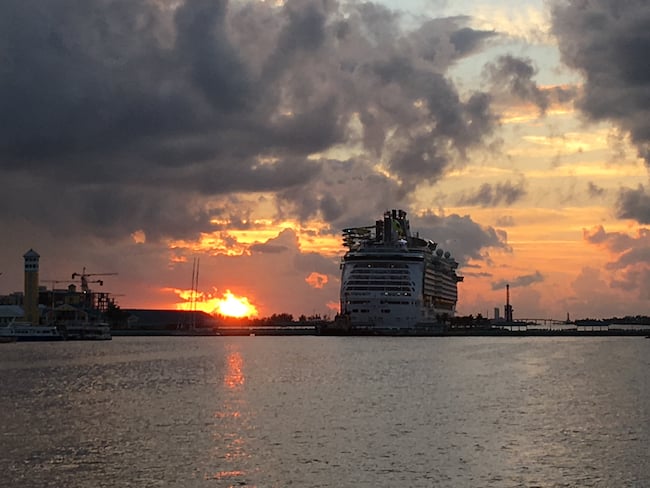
{"points": [[326, 411]]}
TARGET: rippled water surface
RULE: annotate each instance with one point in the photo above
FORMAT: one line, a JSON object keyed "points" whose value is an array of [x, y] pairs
{"points": [[326, 411]]}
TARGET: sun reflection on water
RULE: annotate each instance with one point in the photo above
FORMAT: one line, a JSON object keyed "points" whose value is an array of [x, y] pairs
{"points": [[231, 453], [234, 376]]}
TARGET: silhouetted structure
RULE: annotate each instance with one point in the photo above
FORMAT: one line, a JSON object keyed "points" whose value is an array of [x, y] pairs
{"points": [[507, 310]]}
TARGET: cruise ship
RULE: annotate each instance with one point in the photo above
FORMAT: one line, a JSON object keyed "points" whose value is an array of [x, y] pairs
{"points": [[394, 281]]}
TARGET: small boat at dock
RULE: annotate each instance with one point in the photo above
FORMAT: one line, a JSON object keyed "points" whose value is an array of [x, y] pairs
{"points": [[26, 332]]}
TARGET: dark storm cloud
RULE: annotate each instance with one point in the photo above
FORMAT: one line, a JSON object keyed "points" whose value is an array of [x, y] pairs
{"points": [[489, 195], [466, 40], [514, 76], [519, 281], [134, 115], [634, 204], [305, 27], [205, 51], [353, 183], [460, 235], [608, 42], [444, 40]]}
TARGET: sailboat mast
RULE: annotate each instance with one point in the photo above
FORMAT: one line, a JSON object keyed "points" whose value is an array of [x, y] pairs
{"points": [[195, 290]]}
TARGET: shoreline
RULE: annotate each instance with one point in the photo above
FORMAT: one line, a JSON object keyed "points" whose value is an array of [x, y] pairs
{"points": [[313, 331]]}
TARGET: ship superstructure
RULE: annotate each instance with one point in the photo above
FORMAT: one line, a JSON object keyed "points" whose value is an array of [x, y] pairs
{"points": [[393, 280]]}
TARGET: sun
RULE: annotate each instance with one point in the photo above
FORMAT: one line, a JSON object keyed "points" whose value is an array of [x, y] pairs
{"points": [[229, 305], [233, 306]]}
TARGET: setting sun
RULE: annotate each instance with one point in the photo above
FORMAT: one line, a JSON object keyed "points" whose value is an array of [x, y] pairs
{"points": [[229, 305], [234, 306]]}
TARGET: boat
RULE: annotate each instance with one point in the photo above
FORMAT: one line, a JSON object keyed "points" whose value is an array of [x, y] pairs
{"points": [[393, 281], [26, 332], [87, 331], [78, 324]]}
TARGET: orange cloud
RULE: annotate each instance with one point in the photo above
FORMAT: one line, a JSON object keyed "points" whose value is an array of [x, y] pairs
{"points": [[317, 280]]}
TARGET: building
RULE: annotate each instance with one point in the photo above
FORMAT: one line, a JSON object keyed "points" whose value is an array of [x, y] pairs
{"points": [[30, 304]]}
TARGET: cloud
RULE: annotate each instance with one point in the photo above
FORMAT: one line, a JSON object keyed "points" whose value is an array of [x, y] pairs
{"points": [[489, 195], [519, 281], [180, 122], [607, 41], [594, 190], [592, 296], [634, 204], [464, 238], [512, 76], [125, 116], [267, 248], [466, 40], [515, 75], [316, 280], [597, 235], [505, 221], [629, 267], [285, 240]]}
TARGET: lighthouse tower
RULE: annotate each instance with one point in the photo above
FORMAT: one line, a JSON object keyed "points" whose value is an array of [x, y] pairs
{"points": [[30, 302]]}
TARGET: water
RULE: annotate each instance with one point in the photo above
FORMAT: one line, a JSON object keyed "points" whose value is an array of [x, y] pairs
{"points": [[326, 412]]}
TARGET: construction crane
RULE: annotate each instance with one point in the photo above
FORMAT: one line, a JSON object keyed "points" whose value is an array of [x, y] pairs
{"points": [[83, 276]]}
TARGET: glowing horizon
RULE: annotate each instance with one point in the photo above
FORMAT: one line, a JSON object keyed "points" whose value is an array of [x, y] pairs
{"points": [[228, 305]]}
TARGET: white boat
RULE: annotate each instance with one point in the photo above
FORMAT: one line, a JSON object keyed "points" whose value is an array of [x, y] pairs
{"points": [[75, 324], [26, 332], [394, 281]]}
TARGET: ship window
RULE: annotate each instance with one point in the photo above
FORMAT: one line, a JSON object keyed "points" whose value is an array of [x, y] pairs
{"points": [[385, 310]]}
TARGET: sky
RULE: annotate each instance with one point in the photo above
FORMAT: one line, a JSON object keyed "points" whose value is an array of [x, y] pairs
{"points": [[151, 138]]}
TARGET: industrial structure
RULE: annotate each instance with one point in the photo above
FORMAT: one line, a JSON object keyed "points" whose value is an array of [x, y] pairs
{"points": [[30, 299], [507, 310]]}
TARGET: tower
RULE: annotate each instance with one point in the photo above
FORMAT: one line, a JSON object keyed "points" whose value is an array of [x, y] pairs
{"points": [[30, 301], [507, 310]]}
